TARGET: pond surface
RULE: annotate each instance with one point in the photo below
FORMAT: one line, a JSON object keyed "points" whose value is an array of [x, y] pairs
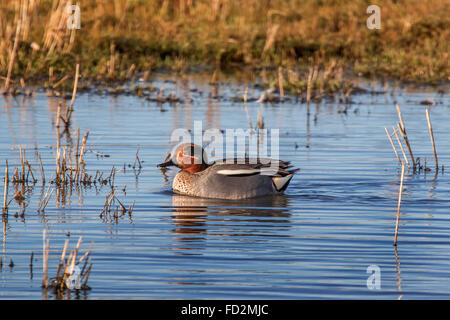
{"points": [[317, 241]]}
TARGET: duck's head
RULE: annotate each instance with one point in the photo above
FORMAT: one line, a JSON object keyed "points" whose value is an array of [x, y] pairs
{"points": [[188, 157]]}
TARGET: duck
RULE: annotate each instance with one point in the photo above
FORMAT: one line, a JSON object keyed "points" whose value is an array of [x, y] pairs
{"points": [[228, 179]]}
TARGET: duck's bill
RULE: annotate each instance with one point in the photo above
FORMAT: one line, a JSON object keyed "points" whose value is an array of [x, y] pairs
{"points": [[166, 164]]}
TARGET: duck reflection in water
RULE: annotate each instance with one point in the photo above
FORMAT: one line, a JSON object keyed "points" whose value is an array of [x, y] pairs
{"points": [[196, 218]]}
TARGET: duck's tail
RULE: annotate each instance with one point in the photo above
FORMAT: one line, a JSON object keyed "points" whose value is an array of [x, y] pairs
{"points": [[281, 183]]}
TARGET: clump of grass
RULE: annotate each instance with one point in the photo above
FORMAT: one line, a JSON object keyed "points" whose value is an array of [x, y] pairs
{"points": [[137, 161], [110, 213], [320, 81], [402, 130], [67, 278], [416, 163], [70, 174]]}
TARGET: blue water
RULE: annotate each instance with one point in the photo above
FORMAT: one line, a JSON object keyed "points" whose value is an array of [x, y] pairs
{"points": [[315, 242]]}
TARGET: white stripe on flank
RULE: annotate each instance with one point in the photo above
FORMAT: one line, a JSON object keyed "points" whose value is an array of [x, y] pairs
{"points": [[270, 171], [237, 172]]}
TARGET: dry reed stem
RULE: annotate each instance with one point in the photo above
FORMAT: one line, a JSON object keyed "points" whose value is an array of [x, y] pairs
{"points": [[80, 157], [430, 128], [56, 85], [405, 136], [16, 194], [75, 254], [75, 87], [308, 87], [270, 38], [71, 40], [5, 195], [246, 109], [259, 120], [400, 192], [13, 55], [280, 82], [45, 196], [83, 145], [65, 270], [16, 178], [86, 276], [401, 146], [77, 148], [55, 30], [111, 199], [61, 262], [47, 200], [30, 171], [131, 208], [48, 189], [329, 70], [400, 117], [111, 70], [42, 168], [58, 162], [86, 255], [10, 80], [392, 144], [112, 176], [22, 162], [45, 259], [136, 159], [106, 203], [58, 116], [121, 206], [130, 71], [63, 167], [213, 79], [50, 76]]}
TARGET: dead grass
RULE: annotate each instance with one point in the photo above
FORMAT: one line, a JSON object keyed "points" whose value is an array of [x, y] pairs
{"points": [[122, 35]]}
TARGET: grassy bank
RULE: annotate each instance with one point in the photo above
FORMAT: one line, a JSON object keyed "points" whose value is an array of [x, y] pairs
{"points": [[119, 38]]}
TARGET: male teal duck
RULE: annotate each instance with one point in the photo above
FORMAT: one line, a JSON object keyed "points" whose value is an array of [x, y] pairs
{"points": [[231, 179]]}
